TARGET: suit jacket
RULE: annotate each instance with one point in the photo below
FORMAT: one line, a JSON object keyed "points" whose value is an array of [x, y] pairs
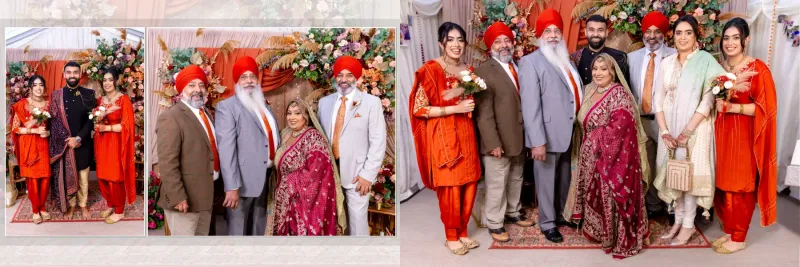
{"points": [[362, 144], [243, 147], [498, 113], [547, 104], [186, 161], [637, 67]]}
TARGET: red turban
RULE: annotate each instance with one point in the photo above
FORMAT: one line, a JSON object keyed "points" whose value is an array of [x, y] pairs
{"points": [[657, 19], [347, 63], [187, 75], [243, 64], [546, 18], [496, 30]]}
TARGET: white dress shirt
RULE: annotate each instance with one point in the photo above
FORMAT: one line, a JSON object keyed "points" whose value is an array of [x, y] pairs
{"points": [[336, 105], [196, 113], [656, 63], [508, 71]]}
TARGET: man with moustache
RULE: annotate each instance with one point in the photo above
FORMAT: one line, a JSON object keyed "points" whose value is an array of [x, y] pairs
{"points": [[70, 142], [596, 32], [247, 134], [188, 157], [644, 67], [550, 89], [354, 124], [499, 119]]}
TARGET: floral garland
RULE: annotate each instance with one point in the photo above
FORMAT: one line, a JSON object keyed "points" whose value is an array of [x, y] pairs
{"points": [[626, 16], [515, 16], [69, 12], [17, 81], [155, 214], [174, 60]]}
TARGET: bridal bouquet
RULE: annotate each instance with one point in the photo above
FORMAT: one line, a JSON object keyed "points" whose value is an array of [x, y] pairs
{"points": [[41, 116], [722, 85], [469, 81], [97, 114]]}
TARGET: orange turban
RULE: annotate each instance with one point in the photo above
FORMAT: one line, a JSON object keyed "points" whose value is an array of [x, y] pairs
{"points": [[347, 63], [243, 64], [657, 19], [496, 30], [546, 18], [188, 74]]}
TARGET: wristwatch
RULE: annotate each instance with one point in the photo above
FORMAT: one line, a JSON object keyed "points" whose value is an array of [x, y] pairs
{"points": [[78, 138]]}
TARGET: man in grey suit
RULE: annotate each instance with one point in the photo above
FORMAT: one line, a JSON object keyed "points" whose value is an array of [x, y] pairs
{"points": [[644, 65], [354, 124], [550, 89], [247, 134]]}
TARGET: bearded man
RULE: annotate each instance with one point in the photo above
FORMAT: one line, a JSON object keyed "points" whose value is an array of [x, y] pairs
{"points": [[596, 33], [188, 157], [550, 90], [499, 119], [247, 134], [354, 123]]}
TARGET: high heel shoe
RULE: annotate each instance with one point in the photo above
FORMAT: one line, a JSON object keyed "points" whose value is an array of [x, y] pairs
{"points": [[672, 232], [678, 241]]}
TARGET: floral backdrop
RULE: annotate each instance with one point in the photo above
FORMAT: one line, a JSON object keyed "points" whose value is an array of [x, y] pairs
{"points": [[513, 15]]}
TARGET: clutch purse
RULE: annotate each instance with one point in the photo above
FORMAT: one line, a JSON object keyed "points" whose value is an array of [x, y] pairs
{"points": [[679, 172]]}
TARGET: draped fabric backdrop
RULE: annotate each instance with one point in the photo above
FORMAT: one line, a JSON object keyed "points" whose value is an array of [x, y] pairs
{"points": [[784, 63]]}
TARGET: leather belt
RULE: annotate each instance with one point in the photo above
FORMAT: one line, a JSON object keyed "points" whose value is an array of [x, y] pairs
{"points": [[648, 116]]}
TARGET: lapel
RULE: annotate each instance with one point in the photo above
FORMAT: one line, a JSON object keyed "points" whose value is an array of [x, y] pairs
{"points": [[502, 73], [194, 121], [251, 114], [558, 71], [353, 111]]}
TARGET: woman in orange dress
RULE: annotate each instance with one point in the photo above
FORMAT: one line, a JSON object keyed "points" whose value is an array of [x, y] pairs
{"points": [[444, 136], [745, 132], [113, 148], [30, 137]]}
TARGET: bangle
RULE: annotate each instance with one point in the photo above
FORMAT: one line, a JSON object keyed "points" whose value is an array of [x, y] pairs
{"points": [[741, 108], [687, 132], [442, 111], [664, 132]]}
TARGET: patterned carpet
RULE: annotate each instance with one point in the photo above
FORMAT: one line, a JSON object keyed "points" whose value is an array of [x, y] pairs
{"points": [[95, 203], [532, 238]]}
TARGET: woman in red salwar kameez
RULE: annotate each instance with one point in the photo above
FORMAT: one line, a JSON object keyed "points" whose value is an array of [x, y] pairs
{"points": [[745, 132], [30, 137], [444, 136], [608, 191], [113, 148]]}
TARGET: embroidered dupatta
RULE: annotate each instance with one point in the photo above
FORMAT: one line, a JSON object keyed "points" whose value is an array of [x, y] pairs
{"points": [[62, 158]]}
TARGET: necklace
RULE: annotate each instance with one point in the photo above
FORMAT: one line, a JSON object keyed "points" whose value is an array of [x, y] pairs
{"points": [[295, 134], [602, 90], [446, 65]]}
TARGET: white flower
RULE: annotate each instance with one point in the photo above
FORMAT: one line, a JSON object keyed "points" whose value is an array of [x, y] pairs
{"points": [[730, 76], [328, 47], [464, 73], [715, 90], [94, 69], [295, 66], [311, 36], [110, 58], [89, 71], [91, 116], [343, 43], [37, 112], [101, 108], [304, 63], [613, 18], [623, 15], [337, 53], [379, 59], [657, 5], [327, 66], [47, 114], [466, 78], [728, 84]]}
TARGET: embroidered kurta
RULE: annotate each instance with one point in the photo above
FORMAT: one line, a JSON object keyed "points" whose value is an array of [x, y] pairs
{"points": [[114, 150]]}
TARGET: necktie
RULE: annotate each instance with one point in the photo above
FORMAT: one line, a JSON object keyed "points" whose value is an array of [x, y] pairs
{"points": [[212, 139], [574, 90], [514, 73], [337, 129], [269, 135], [647, 94]]}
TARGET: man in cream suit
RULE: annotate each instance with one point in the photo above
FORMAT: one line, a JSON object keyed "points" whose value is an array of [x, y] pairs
{"points": [[354, 123], [644, 65], [247, 133], [550, 88]]}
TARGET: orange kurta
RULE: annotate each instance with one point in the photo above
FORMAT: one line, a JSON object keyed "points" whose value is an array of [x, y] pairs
{"points": [[31, 150], [114, 150], [746, 152]]}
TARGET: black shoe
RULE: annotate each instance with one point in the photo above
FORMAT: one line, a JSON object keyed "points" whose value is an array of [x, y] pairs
{"points": [[553, 235], [566, 223], [520, 221], [497, 231]]}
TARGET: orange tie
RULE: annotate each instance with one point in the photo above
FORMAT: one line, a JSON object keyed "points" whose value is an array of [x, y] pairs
{"points": [[574, 90], [269, 135], [514, 73], [337, 129], [212, 139], [647, 95]]}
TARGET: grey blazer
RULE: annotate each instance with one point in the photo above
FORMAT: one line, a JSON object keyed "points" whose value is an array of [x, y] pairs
{"points": [[637, 68], [362, 144], [243, 147], [547, 104]]}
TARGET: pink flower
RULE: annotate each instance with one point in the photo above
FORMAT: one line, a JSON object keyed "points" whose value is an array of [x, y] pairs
{"points": [[13, 80], [376, 91], [673, 18], [151, 225], [514, 20], [386, 102], [713, 16], [698, 12], [392, 64]]}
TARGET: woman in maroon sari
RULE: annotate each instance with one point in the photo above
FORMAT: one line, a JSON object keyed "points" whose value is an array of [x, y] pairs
{"points": [[306, 194], [608, 190]]}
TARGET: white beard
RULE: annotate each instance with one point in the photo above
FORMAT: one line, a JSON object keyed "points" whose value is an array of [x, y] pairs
{"points": [[558, 55], [655, 47], [501, 58], [343, 91], [253, 100], [195, 103]]}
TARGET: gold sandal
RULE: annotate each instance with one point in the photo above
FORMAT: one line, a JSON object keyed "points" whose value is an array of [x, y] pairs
{"points": [[37, 219], [45, 216], [458, 251], [722, 250], [471, 244], [719, 241], [106, 213], [112, 221]]}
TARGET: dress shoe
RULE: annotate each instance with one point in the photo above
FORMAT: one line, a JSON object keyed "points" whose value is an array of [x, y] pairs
{"points": [[553, 235], [566, 223], [519, 220], [499, 234]]}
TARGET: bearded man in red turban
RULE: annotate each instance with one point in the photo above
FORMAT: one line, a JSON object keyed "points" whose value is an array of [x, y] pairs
{"points": [[188, 157], [354, 123]]}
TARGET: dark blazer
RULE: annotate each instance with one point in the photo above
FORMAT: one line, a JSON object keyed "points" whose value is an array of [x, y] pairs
{"points": [[498, 112]]}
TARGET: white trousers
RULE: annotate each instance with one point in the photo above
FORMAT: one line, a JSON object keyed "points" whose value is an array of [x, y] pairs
{"points": [[357, 205], [686, 210]]}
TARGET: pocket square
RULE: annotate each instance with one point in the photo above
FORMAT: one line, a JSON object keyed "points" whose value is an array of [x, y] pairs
{"points": [[357, 116]]}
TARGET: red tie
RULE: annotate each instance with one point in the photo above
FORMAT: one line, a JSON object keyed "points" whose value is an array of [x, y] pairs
{"points": [[212, 139], [574, 90], [514, 73], [269, 135]]}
